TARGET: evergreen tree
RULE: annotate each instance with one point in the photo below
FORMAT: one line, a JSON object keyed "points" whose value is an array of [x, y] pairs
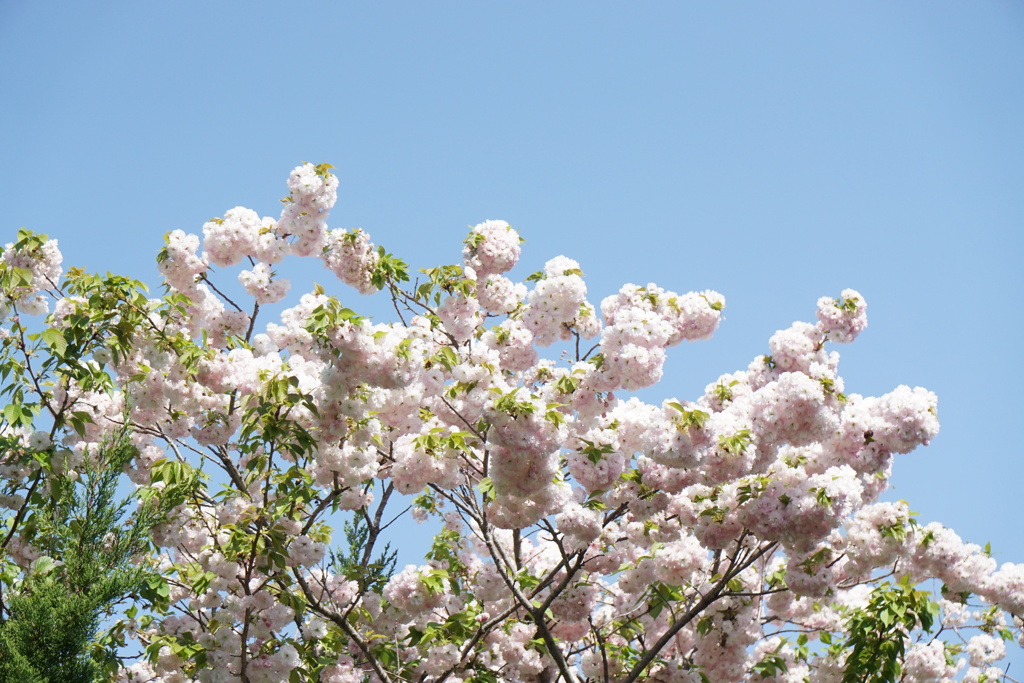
{"points": [[361, 534], [91, 563]]}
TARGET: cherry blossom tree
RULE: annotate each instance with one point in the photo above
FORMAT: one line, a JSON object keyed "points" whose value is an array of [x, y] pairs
{"points": [[585, 535]]}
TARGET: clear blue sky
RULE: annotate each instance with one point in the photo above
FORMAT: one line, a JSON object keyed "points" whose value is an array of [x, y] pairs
{"points": [[776, 152]]}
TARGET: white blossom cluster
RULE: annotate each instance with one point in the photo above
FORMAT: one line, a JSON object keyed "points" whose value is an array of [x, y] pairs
{"points": [[581, 524]]}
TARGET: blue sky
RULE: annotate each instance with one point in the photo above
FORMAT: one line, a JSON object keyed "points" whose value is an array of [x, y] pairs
{"points": [[775, 152]]}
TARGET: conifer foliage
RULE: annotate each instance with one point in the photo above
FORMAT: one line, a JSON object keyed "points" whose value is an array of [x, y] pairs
{"points": [[94, 558]]}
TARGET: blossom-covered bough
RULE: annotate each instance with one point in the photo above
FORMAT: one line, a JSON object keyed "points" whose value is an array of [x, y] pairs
{"points": [[587, 535]]}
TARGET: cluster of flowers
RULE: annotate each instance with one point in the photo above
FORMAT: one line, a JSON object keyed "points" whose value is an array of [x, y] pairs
{"points": [[35, 268], [588, 535]]}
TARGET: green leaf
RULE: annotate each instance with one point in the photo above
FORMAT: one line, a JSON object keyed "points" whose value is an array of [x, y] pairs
{"points": [[44, 565], [594, 452], [735, 444], [486, 489], [54, 339], [12, 411]]}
